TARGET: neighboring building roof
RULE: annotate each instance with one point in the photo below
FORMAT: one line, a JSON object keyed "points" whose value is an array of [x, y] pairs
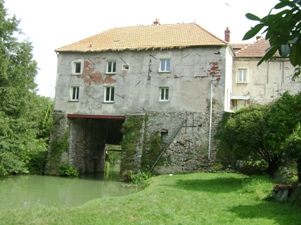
{"points": [[165, 36], [237, 46], [257, 49]]}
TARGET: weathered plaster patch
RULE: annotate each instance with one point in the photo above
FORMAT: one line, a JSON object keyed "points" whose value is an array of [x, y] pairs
{"points": [[214, 70], [89, 76]]}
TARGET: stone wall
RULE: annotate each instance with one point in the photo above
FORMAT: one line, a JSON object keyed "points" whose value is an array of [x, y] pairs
{"points": [[186, 147], [87, 145], [58, 144]]}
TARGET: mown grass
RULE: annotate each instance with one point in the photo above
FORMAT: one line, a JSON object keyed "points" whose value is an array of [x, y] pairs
{"points": [[196, 198]]}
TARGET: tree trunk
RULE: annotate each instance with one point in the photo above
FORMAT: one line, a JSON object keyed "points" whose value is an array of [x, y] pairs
{"points": [[273, 167]]}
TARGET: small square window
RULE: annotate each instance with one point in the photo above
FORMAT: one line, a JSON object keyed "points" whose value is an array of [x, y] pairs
{"points": [[74, 94], [164, 93], [109, 94], [242, 76], [77, 67], [126, 67], [111, 67], [164, 65]]}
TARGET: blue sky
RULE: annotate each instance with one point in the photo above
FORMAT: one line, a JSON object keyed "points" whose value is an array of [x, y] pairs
{"points": [[50, 24]]}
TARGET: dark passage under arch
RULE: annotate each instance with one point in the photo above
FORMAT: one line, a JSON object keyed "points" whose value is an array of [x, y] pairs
{"points": [[89, 135]]}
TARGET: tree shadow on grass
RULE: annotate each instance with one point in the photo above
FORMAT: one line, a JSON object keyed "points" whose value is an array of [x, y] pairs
{"points": [[216, 185], [282, 214]]}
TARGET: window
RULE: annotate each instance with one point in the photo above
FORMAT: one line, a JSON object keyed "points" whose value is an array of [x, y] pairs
{"points": [[126, 67], [74, 93], [242, 76], [164, 65], [77, 67], [164, 93], [109, 94], [111, 67]]}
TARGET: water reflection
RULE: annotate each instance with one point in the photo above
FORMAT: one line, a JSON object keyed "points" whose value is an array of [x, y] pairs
{"points": [[33, 191]]}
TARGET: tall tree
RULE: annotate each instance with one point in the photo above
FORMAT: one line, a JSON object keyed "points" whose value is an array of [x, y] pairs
{"points": [[283, 30], [19, 116]]}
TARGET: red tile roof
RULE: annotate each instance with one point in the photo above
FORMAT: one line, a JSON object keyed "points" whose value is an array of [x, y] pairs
{"points": [[165, 36], [257, 49]]}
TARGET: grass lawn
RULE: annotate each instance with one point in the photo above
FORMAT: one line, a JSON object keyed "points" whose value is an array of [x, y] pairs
{"points": [[196, 198]]}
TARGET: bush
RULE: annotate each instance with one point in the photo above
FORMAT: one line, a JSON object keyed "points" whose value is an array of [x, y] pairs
{"points": [[140, 177], [67, 170], [112, 157], [37, 162], [261, 186]]}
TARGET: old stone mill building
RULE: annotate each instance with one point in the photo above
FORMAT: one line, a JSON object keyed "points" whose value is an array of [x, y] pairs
{"points": [[158, 90]]}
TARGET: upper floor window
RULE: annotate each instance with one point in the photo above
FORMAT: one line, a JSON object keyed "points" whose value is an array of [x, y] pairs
{"points": [[242, 76], [74, 93], [109, 94], [164, 65], [77, 67], [126, 67], [164, 93], [111, 67]]}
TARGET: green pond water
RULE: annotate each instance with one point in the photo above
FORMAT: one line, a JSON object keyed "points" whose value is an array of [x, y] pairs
{"points": [[24, 191]]}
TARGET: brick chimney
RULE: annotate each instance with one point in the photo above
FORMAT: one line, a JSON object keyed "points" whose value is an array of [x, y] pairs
{"points": [[227, 34]]}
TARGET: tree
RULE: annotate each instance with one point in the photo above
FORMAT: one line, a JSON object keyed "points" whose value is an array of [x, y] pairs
{"points": [[283, 30], [257, 133], [20, 107], [292, 146], [241, 137]]}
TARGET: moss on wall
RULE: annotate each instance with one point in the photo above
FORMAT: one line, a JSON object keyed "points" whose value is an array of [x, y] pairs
{"points": [[152, 148], [139, 141], [57, 147], [132, 131]]}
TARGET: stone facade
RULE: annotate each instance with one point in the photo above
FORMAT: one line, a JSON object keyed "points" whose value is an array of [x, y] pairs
{"points": [[185, 118]]}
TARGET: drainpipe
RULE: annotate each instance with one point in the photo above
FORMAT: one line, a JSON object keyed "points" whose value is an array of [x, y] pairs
{"points": [[210, 123]]}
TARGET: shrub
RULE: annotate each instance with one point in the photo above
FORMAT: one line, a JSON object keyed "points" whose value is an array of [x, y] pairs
{"points": [[261, 186], [140, 177], [67, 170], [37, 162]]}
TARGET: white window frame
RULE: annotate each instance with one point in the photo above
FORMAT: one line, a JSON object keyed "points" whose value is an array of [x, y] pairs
{"points": [[74, 66], [74, 93], [242, 76], [111, 67], [126, 67], [164, 94], [164, 65], [109, 94]]}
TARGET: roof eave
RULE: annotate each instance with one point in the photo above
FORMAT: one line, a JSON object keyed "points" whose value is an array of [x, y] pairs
{"points": [[140, 48]]}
